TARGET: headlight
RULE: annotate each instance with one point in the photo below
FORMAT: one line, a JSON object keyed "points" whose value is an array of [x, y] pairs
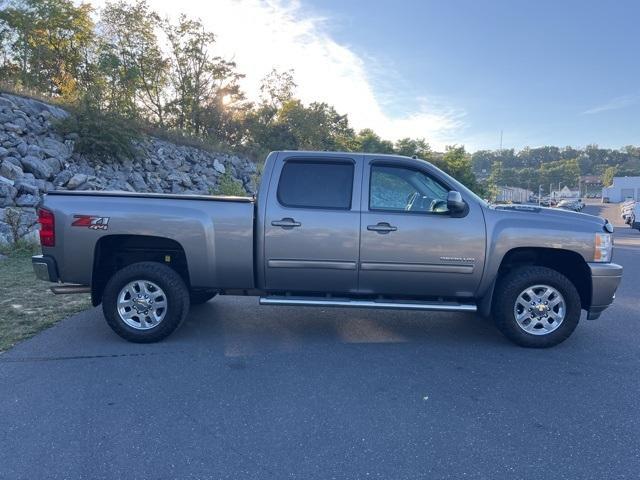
{"points": [[604, 246]]}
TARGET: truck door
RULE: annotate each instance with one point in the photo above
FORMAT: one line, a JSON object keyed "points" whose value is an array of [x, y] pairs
{"points": [[312, 223], [410, 245]]}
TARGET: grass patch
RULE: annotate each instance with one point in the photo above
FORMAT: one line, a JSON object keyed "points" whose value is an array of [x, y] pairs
{"points": [[27, 306]]}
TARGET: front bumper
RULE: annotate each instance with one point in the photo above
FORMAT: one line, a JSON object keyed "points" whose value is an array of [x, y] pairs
{"points": [[605, 278], [45, 268]]}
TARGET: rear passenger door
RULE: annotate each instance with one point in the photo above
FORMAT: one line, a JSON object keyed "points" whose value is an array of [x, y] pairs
{"points": [[312, 223]]}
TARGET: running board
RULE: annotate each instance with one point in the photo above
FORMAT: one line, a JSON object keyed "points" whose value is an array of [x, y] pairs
{"points": [[386, 304]]}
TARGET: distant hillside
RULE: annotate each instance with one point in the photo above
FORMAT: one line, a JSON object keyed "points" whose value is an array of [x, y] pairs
{"points": [[531, 167]]}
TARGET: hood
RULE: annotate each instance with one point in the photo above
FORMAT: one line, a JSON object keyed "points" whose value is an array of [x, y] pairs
{"points": [[559, 214]]}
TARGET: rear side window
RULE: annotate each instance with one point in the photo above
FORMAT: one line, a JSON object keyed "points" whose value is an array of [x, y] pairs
{"points": [[316, 185]]}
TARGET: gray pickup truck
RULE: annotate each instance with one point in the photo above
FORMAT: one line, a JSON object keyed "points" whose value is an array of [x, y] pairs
{"points": [[331, 229]]}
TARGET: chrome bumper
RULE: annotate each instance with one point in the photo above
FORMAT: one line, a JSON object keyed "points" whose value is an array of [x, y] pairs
{"points": [[605, 278]]}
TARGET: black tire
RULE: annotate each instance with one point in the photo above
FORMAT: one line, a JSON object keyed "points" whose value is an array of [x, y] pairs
{"points": [[177, 299], [198, 298], [515, 282]]}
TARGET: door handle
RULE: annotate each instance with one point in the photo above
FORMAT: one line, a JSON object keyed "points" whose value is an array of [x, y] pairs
{"points": [[286, 223], [382, 227]]}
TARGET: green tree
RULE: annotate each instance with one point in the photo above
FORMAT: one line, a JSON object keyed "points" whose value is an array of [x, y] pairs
{"points": [[206, 87], [457, 163], [130, 59], [315, 127], [413, 146], [607, 177], [369, 141], [46, 45]]}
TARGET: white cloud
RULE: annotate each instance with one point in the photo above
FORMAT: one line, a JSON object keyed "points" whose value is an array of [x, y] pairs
{"points": [[260, 35], [616, 103]]}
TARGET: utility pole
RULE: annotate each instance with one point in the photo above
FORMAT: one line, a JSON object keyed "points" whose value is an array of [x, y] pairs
{"points": [[500, 141], [539, 195]]}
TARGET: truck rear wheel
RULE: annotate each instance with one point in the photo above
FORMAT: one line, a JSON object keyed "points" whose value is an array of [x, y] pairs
{"points": [[536, 307], [145, 302]]}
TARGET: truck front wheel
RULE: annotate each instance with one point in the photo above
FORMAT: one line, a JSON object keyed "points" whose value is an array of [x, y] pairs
{"points": [[536, 306], [145, 302]]}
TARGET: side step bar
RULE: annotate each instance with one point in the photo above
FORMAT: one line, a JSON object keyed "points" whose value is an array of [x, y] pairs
{"points": [[387, 304]]}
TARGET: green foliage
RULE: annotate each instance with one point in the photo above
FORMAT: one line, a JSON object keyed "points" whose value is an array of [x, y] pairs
{"points": [[46, 45], [132, 70], [21, 248], [369, 141], [207, 94], [230, 186], [532, 167], [413, 146], [607, 176], [101, 135], [457, 163]]}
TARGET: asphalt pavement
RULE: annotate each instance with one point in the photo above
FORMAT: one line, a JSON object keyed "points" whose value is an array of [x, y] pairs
{"points": [[248, 392]]}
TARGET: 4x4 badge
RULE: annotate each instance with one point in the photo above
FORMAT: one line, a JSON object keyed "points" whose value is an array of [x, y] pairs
{"points": [[90, 221]]}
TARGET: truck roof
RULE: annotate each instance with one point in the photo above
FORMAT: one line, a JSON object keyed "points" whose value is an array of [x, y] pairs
{"points": [[342, 153]]}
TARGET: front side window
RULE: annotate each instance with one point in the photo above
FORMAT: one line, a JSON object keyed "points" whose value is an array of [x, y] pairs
{"points": [[405, 190], [314, 184]]}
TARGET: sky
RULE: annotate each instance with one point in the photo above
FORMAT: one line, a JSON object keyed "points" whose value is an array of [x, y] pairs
{"points": [[542, 72]]}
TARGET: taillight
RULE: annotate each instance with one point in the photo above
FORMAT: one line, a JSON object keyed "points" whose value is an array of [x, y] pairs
{"points": [[47, 228]]}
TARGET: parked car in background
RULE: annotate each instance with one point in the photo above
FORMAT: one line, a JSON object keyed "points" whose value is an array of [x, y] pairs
{"points": [[634, 221], [571, 204], [629, 213]]}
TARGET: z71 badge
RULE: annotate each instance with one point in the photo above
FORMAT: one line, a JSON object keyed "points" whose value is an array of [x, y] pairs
{"points": [[90, 221]]}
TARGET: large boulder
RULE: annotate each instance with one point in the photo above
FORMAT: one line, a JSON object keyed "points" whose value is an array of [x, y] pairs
{"points": [[137, 181], [10, 170], [22, 148], [27, 200], [6, 102], [28, 185], [62, 178], [55, 164], [218, 167], [7, 194], [77, 181], [36, 166], [56, 149]]}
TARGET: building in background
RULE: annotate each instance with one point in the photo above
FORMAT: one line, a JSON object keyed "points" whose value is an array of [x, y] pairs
{"points": [[591, 185], [622, 188], [565, 192], [513, 195]]}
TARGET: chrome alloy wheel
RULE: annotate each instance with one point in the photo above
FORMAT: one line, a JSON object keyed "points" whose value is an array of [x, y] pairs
{"points": [[540, 309], [142, 304]]}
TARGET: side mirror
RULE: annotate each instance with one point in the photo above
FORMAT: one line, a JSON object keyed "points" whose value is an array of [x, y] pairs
{"points": [[455, 204]]}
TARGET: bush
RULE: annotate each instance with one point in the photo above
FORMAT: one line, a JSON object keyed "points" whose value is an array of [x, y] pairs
{"points": [[230, 186], [101, 135]]}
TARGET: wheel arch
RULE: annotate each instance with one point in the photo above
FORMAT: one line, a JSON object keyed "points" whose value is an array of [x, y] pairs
{"points": [[570, 264], [113, 252]]}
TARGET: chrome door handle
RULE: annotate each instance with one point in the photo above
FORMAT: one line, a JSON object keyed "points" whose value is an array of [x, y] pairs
{"points": [[286, 223], [382, 227]]}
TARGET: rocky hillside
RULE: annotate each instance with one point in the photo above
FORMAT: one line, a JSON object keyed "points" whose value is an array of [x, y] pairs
{"points": [[34, 159]]}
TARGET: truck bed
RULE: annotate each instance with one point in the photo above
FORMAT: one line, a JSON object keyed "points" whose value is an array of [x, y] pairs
{"points": [[215, 233]]}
